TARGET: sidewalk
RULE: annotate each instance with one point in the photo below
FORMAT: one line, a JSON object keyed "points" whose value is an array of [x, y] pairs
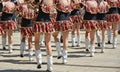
{"points": [[78, 59]]}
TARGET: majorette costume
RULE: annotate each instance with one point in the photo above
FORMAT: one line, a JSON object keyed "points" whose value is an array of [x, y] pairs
{"points": [[43, 20], [77, 18], [90, 22], [6, 22], [103, 8], [44, 24], [90, 16], [28, 15], [113, 17], [113, 14], [63, 22]]}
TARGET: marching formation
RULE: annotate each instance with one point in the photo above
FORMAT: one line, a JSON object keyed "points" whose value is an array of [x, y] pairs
{"points": [[47, 18]]}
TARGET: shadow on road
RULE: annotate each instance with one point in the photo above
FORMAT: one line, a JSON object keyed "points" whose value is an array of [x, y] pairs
{"points": [[22, 70]]}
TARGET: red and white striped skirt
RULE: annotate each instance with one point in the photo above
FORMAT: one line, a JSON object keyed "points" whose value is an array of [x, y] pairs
{"points": [[63, 25], [113, 17], [45, 27], [90, 24], [27, 31], [7, 25], [2, 27], [103, 24]]}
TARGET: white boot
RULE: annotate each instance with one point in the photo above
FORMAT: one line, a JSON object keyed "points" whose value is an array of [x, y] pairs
{"points": [[38, 58], [59, 50], [4, 43], [49, 63], [115, 42], [73, 40], [92, 50], [26, 44], [98, 38], [22, 48], [42, 39], [78, 40], [10, 48], [87, 44], [109, 36], [31, 54], [64, 56], [103, 46]]}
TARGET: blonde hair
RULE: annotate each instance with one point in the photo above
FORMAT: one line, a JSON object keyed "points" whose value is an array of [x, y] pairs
{"points": [[65, 2], [20, 1], [113, 0], [77, 1], [48, 2]]}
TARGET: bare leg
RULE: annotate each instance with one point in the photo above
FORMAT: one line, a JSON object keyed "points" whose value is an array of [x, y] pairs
{"points": [[65, 46], [92, 42], [57, 45], [115, 34], [30, 48], [10, 40], [78, 35], [37, 50], [49, 51], [87, 40]]}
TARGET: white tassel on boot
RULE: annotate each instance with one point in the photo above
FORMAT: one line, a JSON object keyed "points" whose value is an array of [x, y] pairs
{"points": [[38, 58], [59, 50], [22, 48], [73, 40], [78, 40], [4, 43], [31, 54], [87, 44], [49, 63], [115, 42], [92, 50], [103, 46], [10, 48], [64, 56]]}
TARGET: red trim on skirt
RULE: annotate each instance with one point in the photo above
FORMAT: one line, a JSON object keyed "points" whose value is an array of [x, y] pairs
{"points": [[27, 31], [64, 25], [45, 27], [103, 24], [2, 28], [7, 25], [113, 17], [90, 24]]}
